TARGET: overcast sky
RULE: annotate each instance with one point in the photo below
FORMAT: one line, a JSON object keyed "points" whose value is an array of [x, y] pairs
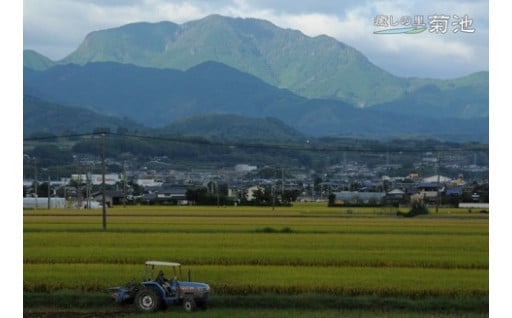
{"points": [[56, 27]]}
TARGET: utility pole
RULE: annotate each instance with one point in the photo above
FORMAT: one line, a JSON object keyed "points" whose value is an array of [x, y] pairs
{"points": [[48, 191], [217, 193], [438, 199], [124, 185], [282, 185], [35, 180], [273, 192], [88, 192], [103, 201]]}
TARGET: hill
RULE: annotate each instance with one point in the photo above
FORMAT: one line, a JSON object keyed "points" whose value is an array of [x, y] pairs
{"points": [[228, 127], [45, 117], [41, 116], [158, 97]]}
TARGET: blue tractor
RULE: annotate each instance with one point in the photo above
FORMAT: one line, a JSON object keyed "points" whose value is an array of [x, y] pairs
{"points": [[156, 291]]}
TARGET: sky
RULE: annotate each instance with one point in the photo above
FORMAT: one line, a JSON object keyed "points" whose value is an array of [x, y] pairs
{"points": [[55, 28]]}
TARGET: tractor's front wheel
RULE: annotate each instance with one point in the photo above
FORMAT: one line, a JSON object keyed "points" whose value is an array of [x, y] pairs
{"points": [[189, 304], [147, 300]]}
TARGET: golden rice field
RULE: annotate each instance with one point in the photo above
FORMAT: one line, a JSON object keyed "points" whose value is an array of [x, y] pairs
{"points": [[308, 248]]}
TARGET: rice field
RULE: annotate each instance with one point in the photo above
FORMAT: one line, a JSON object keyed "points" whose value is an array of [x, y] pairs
{"points": [[308, 248]]}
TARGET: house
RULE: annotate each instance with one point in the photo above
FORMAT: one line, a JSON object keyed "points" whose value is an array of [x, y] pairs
{"points": [[112, 197], [251, 190], [429, 191], [167, 194], [395, 197], [456, 191]]}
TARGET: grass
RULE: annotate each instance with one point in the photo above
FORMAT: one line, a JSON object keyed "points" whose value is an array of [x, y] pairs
{"points": [[399, 243]]}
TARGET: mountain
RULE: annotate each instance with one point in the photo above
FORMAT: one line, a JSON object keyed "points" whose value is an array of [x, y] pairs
{"points": [[36, 61], [158, 97], [313, 67]]}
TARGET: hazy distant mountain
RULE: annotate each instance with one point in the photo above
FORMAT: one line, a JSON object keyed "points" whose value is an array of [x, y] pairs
{"points": [[158, 97], [36, 61]]}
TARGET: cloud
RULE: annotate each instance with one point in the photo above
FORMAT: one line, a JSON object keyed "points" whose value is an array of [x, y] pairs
{"points": [[59, 26]]}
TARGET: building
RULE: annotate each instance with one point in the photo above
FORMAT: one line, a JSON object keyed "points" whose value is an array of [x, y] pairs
{"points": [[355, 197]]}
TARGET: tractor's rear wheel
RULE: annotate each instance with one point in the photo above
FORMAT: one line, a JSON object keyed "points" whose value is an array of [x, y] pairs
{"points": [[147, 300]]}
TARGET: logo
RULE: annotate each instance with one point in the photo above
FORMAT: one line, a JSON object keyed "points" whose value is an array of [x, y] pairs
{"points": [[437, 23]]}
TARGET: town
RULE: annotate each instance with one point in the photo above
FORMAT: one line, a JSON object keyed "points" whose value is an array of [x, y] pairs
{"points": [[458, 179]]}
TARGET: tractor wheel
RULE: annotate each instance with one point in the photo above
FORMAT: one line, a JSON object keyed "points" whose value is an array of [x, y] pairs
{"points": [[189, 304], [147, 300]]}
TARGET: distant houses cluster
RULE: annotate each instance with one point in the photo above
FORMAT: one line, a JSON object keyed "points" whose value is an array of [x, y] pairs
{"points": [[85, 191]]}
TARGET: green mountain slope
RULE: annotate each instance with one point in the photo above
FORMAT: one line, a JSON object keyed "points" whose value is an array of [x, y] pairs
{"points": [[319, 67]]}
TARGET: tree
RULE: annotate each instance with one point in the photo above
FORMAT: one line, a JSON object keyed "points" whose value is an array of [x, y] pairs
{"points": [[332, 199], [418, 207], [197, 195], [291, 195], [262, 196]]}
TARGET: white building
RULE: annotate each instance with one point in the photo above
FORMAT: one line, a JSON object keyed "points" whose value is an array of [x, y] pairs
{"points": [[433, 179], [42, 203], [148, 182], [242, 167], [97, 179]]}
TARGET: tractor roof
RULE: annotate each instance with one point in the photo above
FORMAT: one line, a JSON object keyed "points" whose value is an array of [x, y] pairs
{"points": [[160, 263]]}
